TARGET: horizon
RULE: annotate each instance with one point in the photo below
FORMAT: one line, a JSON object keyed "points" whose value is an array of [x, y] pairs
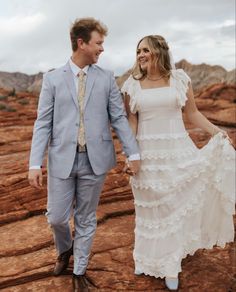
{"points": [[42, 72]]}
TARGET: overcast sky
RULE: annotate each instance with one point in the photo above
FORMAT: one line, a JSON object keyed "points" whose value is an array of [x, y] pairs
{"points": [[34, 34]]}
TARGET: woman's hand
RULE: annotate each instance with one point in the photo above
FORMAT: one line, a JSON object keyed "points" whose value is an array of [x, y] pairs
{"points": [[217, 130]]}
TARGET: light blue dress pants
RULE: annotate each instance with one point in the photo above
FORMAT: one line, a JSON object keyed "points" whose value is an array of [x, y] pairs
{"points": [[77, 195]]}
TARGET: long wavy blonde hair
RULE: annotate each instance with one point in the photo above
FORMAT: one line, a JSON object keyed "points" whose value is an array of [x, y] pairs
{"points": [[160, 53]]}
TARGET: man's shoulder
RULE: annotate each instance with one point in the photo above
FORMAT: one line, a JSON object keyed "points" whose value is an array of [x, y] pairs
{"points": [[55, 72], [102, 70]]}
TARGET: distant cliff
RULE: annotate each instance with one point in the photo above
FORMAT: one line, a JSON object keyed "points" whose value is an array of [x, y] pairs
{"points": [[20, 81], [202, 76]]}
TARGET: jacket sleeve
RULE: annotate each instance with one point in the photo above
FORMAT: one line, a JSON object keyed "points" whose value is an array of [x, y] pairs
{"points": [[43, 124], [119, 120]]}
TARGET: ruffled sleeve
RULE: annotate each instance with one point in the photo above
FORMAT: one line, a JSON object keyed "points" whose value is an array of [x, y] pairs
{"points": [[130, 87], [181, 82]]}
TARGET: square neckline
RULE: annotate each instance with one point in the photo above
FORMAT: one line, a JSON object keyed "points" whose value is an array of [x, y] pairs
{"points": [[170, 85]]}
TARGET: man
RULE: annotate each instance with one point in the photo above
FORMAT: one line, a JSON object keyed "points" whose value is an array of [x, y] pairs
{"points": [[78, 103]]}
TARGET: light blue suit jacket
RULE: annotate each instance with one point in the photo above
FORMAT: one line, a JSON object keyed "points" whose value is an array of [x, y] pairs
{"points": [[57, 123]]}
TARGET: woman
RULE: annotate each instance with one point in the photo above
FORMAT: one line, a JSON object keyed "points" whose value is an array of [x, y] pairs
{"points": [[184, 197]]}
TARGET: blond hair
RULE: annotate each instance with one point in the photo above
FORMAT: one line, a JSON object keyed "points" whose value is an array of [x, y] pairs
{"points": [[82, 28], [160, 52]]}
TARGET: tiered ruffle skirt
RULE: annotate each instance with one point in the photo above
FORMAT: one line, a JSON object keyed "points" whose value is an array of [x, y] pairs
{"points": [[184, 200]]}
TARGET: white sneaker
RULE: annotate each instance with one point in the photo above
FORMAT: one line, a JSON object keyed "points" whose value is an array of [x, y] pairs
{"points": [[172, 283]]}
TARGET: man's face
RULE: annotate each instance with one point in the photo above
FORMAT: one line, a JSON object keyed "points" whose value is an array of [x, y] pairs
{"points": [[93, 48]]}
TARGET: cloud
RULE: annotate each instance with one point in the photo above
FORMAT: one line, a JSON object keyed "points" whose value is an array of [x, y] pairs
{"points": [[35, 33], [20, 26]]}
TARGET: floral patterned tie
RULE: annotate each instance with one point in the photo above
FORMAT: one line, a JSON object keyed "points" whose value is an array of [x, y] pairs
{"points": [[81, 94]]}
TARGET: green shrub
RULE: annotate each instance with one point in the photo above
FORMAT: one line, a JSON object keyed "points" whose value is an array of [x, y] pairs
{"points": [[12, 92], [23, 101], [2, 106], [6, 108], [10, 109]]}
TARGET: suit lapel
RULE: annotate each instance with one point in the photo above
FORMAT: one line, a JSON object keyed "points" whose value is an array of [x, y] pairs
{"points": [[69, 79], [92, 74]]}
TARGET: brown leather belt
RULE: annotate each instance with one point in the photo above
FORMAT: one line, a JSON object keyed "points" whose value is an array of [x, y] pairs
{"points": [[81, 149]]}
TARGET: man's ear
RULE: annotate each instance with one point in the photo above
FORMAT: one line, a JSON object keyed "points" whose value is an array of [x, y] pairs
{"points": [[80, 43]]}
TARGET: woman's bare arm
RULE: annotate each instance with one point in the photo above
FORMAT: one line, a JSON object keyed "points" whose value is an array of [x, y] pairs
{"points": [[197, 118], [132, 118]]}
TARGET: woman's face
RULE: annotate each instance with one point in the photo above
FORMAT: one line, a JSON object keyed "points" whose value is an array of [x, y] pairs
{"points": [[144, 56]]}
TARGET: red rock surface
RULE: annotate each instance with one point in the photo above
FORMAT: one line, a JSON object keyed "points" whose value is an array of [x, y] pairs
{"points": [[27, 253]]}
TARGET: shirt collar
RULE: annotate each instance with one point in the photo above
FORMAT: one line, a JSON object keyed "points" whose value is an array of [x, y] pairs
{"points": [[76, 69]]}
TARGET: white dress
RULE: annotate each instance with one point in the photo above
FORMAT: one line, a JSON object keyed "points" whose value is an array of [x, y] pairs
{"points": [[184, 196]]}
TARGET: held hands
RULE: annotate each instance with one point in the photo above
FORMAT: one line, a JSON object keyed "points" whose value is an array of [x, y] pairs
{"points": [[132, 167], [35, 178]]}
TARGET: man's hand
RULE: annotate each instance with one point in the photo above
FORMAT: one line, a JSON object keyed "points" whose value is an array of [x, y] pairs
{"points": [[132, 167], [35, 178]]}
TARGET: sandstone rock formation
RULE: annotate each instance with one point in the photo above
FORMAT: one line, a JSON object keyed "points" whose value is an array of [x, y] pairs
{"points": [[218, 103], [27, 253], [20, 81], [202, 76]]}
